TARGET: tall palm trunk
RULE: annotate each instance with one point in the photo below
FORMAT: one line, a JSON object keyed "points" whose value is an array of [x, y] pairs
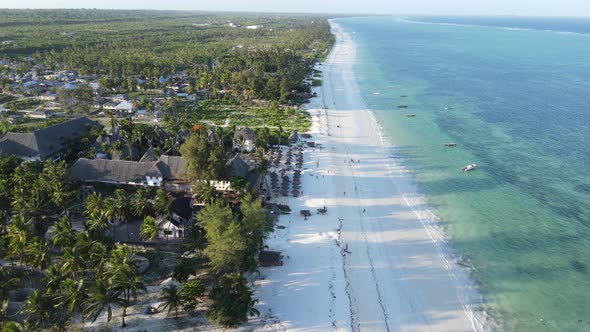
{"points": [[115, 233], [109, 314], [123, 324]]}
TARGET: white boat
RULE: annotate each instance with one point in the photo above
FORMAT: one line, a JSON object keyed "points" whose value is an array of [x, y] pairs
{"points": [[469, 167]]}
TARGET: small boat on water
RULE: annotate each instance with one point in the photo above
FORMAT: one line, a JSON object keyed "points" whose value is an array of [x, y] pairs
{"points": [[469, 167], [410, 115], [451, 144], [402, 106]]}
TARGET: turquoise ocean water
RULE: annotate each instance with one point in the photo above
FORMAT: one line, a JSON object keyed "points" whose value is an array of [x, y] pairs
{"points": [[515, 94]]}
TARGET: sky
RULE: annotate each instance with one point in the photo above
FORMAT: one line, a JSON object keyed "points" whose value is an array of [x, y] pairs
{"points": [[426, 7]]}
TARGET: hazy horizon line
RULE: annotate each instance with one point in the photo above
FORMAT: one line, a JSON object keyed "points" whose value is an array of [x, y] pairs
{"points": [[347, 14]]}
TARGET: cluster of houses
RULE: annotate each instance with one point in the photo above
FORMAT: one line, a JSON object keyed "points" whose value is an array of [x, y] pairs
{"points": [[42, 84], [150, 171]]}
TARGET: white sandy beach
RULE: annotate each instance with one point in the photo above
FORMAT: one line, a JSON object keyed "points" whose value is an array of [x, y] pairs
{"points": [[375, 262]]}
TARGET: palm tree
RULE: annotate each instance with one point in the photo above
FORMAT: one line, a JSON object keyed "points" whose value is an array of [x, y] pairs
{"points": [[94, 204], [150, 107], [63, 234], [112, 123], [39, 308], [54, 276], [171, 298], [110, 213], [162, 203], [7, 283], [122, 273], [134, 286], [102, 297], [194, 239], [205, 191], [241, 140], [97, 224], [3, 222], [97, 251], [263, 139], [4, 126], [121, 202], [127, 136], [130, 285], [38, 255], [140, 204], [72, 261], [105, 147], [11, 326], [280, 134], [149, 229], [170, 146], [72, 297], [116, 147], [138, 135], [18, 237], [219, 134]]}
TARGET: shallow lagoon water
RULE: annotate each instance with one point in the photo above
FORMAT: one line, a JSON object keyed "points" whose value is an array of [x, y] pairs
{"points": [[517, 103]]}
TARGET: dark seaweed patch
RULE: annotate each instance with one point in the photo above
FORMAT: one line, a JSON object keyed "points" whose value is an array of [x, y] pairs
{"points": [[579, 266], [583, 188]]}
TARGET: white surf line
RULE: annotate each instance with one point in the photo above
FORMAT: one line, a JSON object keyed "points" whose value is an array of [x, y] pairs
{"points": [[367, 249], [439, 242], [354, 320], [476, 324]]}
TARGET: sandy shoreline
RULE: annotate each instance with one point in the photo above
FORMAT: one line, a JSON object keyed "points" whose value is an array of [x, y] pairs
{"points": [[377, 261]]}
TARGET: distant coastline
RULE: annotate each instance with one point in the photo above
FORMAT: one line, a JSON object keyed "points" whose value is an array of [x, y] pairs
{"points": [[554, 24]]}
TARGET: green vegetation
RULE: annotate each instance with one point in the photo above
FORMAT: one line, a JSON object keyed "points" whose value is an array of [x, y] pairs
{"points": [[216, 112], [248, 77], [234, 76], [149, 228], [203, 162], [5, 98], [83, 274], [233, 244], [268, 63], [28, 125], [22, 104], [76, 100]]}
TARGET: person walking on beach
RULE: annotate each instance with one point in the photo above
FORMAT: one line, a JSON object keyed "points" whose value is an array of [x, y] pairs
{"points": [[363, 210]]}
